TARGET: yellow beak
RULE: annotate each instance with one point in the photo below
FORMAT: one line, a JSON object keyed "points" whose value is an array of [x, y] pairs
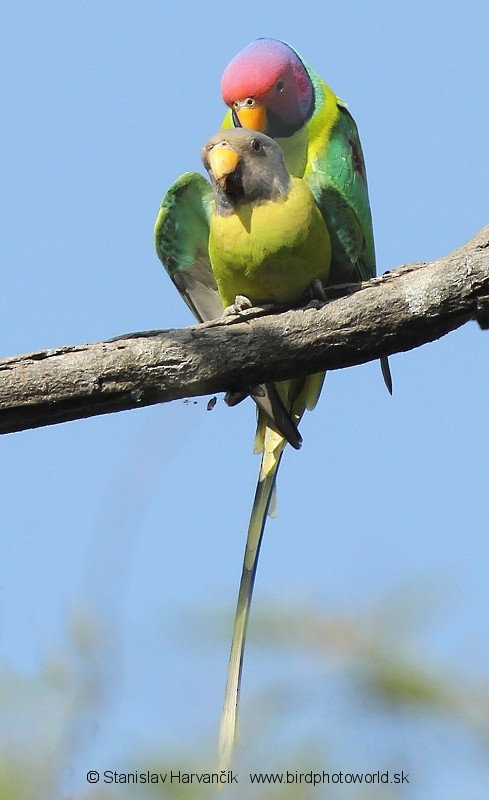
{"points": [[223, 161], [252, 117]]}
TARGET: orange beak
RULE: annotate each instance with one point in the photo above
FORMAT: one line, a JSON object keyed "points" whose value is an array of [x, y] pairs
{"points": [[253, 117], [223, 161]]}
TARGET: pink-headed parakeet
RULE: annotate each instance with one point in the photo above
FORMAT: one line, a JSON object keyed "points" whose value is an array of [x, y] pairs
{"points": [[269, 87]]}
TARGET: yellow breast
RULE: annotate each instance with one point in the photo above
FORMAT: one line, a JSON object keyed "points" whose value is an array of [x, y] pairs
{"points": [[270, 252]]}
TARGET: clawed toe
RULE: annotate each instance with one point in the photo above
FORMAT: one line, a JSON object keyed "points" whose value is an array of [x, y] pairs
{"points": [[316, 290], [241, 303]]}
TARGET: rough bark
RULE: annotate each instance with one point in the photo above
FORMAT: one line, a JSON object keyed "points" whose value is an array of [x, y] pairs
{"points": [[398, 311]]}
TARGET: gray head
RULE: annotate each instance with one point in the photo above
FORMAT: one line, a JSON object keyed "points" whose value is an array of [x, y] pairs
{"points": [[245, 167]]}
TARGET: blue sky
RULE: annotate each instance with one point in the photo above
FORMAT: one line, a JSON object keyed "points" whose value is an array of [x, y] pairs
{"points": [[142, 516]]}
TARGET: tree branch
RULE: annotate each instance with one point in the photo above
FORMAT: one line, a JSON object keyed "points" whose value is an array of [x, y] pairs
{"points": [[398, 311]]}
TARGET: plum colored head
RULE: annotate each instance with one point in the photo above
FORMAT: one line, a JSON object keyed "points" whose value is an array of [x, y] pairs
{"points": [[268, 88]]}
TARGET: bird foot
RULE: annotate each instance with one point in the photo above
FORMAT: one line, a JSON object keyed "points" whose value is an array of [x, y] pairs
{"points": [[241, 303], [317, 290], [317, 294]]}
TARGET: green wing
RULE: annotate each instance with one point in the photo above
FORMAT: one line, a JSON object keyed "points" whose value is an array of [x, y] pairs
{"points": [[338, 181], [181, 239]]}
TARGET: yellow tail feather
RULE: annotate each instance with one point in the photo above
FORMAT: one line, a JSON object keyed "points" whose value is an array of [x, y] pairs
{"points": [[264, 491], [297, 395]]}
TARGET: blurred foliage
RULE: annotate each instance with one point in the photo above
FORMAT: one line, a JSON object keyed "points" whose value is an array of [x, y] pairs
{"points": [[367, 664]]}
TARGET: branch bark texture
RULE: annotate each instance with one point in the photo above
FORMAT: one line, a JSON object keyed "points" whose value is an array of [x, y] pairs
{"points": [[403, 309]]}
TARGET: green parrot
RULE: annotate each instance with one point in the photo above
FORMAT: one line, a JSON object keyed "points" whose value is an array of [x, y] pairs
{"points": [[254, 235], [268, 87]]}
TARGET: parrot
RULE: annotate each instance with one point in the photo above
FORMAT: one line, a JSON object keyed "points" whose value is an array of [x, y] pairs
{"points": [[270, 88], [181, 235], [253, 235]]}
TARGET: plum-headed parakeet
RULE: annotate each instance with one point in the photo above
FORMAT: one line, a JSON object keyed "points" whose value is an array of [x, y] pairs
{"points": [[255, 232], [269, 87]]}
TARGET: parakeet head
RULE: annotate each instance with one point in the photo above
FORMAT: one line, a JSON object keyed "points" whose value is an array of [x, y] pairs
{"points": [[268, 88], [245, 166]]}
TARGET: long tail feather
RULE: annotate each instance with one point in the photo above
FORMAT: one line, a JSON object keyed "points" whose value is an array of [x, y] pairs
{"points": [[296, 396], [229, 720], [386, 373]]}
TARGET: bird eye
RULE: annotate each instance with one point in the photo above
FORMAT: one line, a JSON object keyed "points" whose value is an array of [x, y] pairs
{"points": [[256, 144], [279, 86], [250, 102]]}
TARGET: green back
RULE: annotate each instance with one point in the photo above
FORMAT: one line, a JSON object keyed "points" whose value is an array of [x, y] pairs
{"points": [[337, 176]]}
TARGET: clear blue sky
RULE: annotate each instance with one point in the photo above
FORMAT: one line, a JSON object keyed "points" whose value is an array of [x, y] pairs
{"points": [[142, 515]]}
